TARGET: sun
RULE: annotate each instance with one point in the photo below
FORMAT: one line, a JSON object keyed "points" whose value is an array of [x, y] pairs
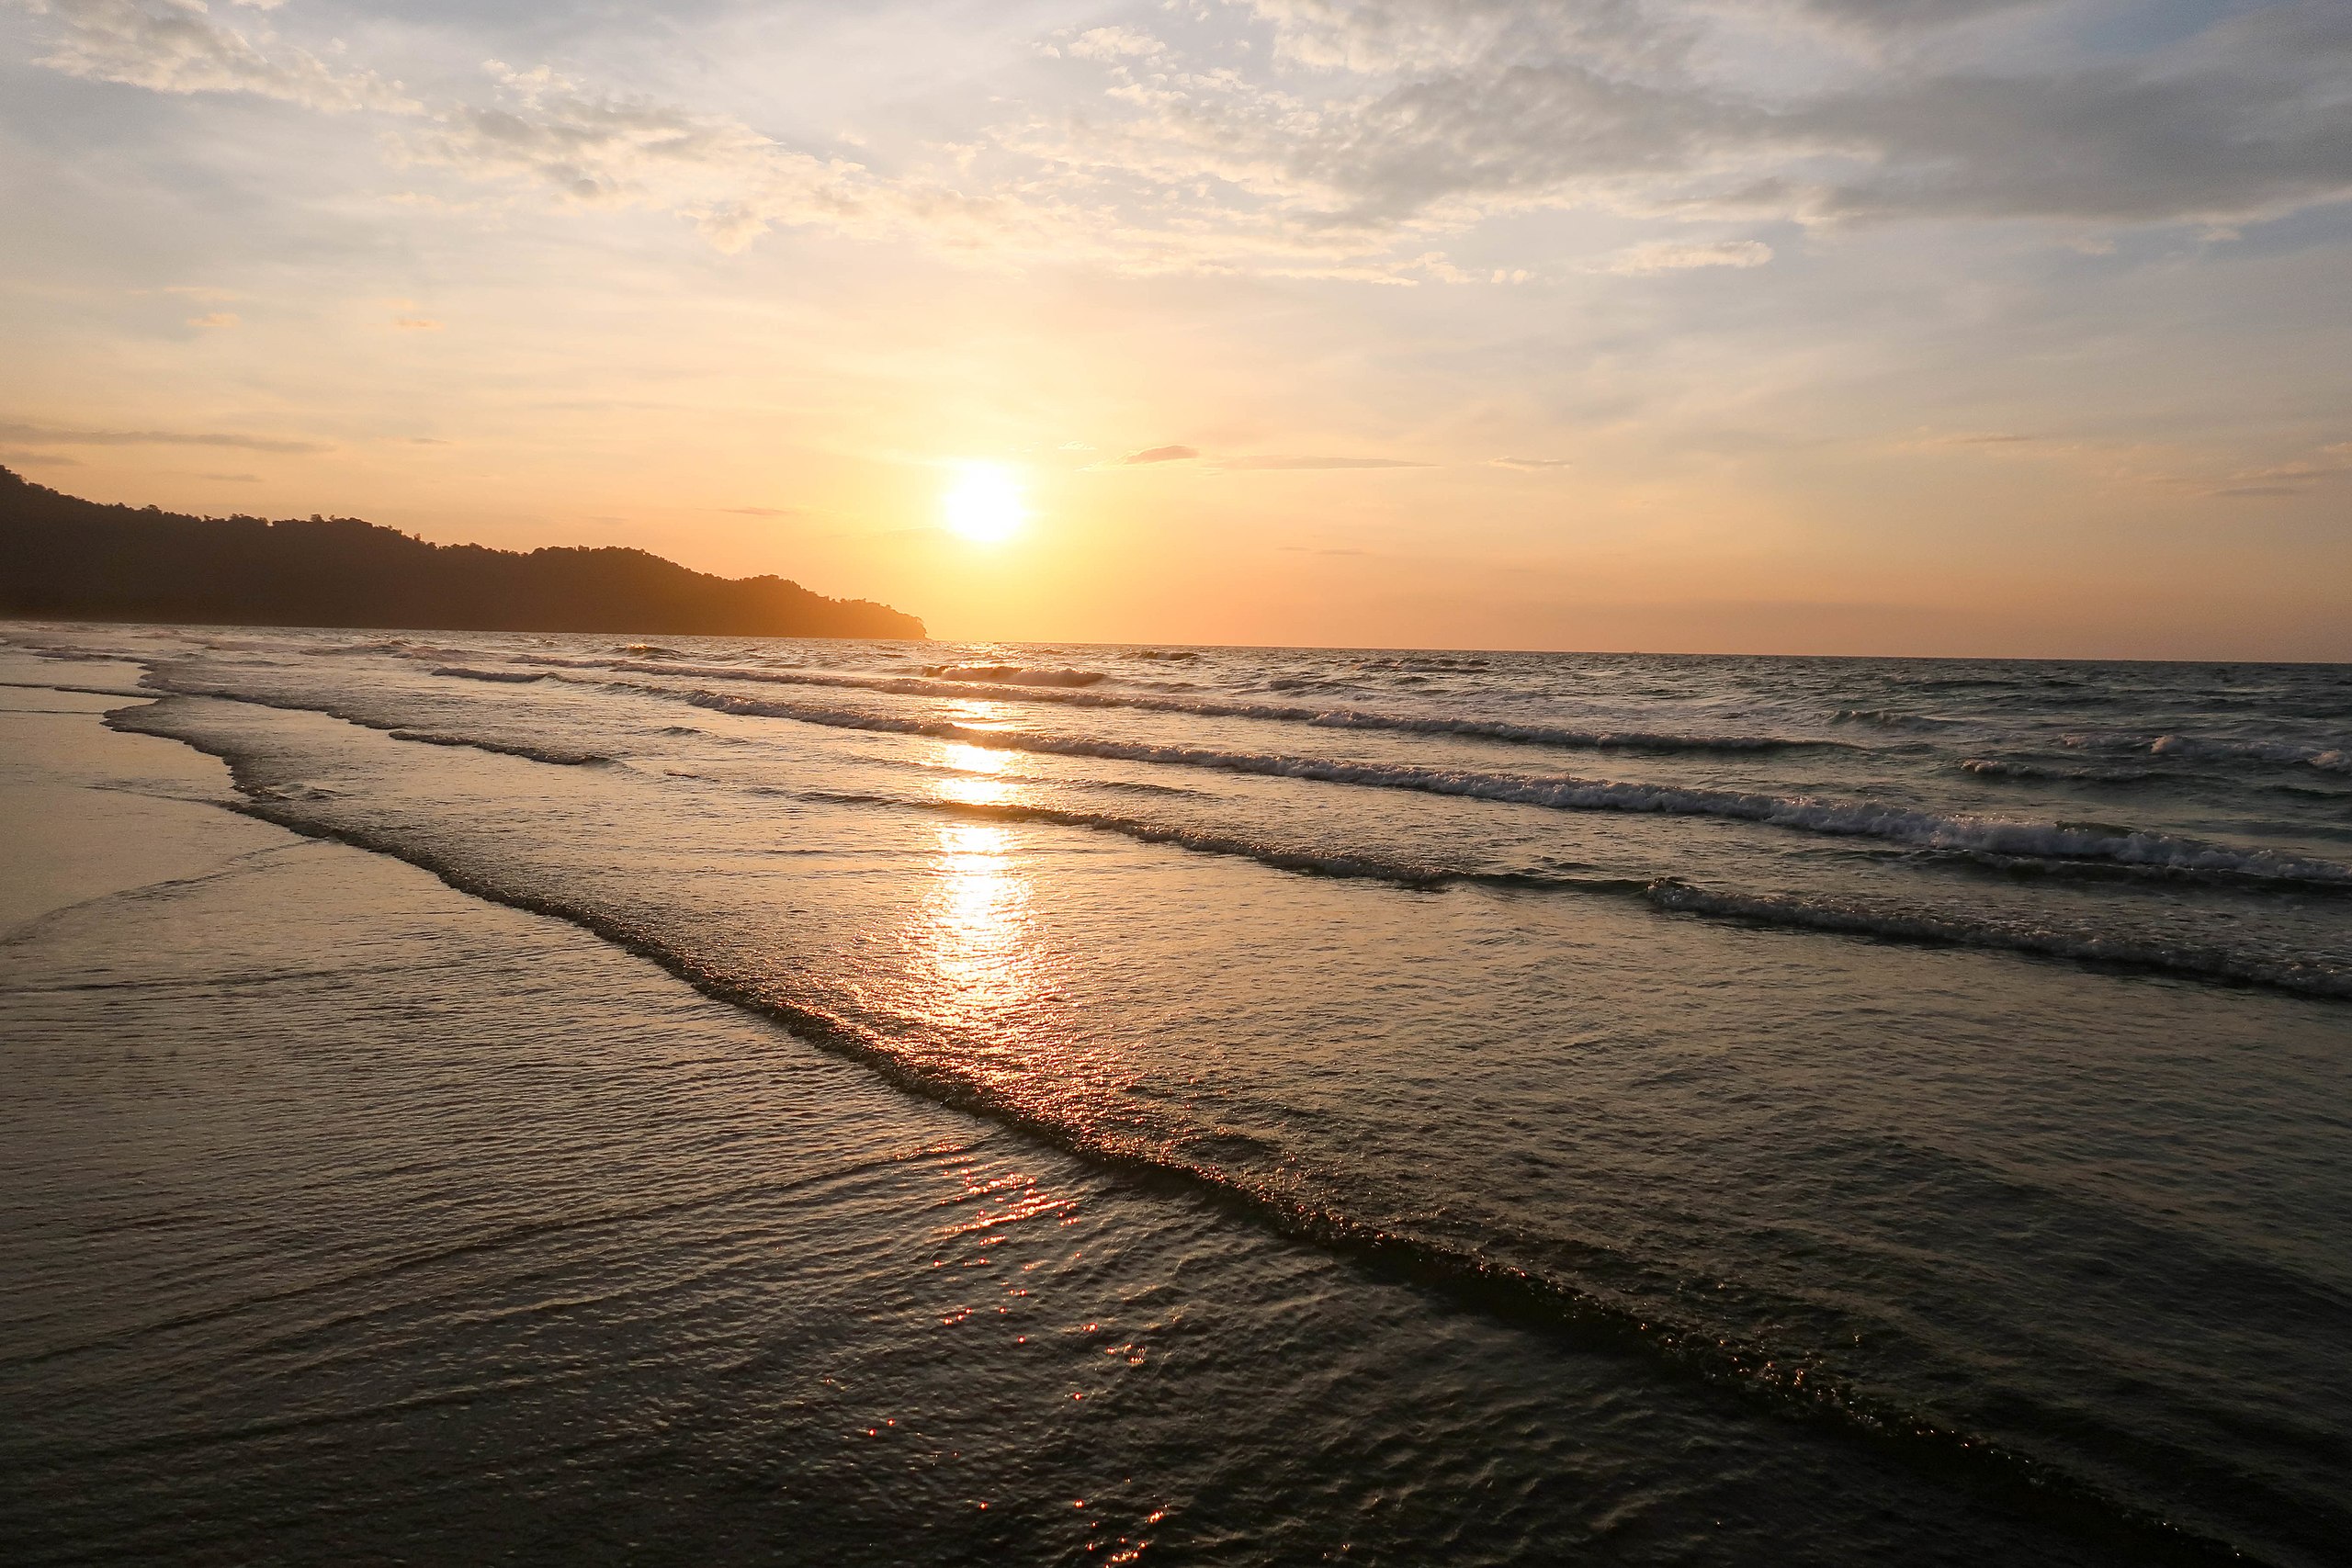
{"points": [[984, 503]]}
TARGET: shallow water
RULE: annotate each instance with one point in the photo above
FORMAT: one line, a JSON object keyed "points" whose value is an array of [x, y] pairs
{"points": [[1910, 1095]]}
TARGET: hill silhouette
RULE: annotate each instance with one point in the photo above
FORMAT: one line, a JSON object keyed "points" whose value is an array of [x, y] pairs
{"points": [[66, 558]]}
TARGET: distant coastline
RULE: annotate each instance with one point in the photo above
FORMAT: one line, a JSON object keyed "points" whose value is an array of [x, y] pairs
{"points": [[65, 558]]}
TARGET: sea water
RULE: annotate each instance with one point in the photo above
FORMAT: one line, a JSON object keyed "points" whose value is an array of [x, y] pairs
{"points": [[1467, 1106]]}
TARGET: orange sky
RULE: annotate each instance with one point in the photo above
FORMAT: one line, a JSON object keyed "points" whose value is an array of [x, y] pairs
{"points": [[1495, 325]]}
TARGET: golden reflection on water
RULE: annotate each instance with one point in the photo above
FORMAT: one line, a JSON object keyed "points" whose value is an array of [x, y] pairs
{"points": [[973, 929], [979, 965], [977, 768]]}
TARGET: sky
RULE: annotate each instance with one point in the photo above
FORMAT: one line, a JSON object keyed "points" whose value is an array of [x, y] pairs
{"points": [[1969, 327]]}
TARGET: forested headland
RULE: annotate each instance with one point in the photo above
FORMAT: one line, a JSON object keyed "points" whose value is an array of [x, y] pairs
{"points": [[64, 557]]}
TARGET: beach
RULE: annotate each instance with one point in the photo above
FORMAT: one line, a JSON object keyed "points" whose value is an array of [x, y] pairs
{"points": [[455, 1112]]}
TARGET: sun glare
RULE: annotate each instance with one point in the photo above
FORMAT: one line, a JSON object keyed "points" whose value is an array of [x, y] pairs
{"points": [[984, 503]]}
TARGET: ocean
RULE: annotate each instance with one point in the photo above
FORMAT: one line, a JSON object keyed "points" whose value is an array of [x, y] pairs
{"points": [[715, 1098]]}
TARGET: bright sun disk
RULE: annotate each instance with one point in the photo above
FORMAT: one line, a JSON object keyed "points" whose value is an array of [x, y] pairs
{"points": [[984, 503]]}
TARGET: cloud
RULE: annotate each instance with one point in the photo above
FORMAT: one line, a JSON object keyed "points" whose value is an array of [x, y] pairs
{"points": [[216, 318], [1152, 455], [1433, 114], [233, 478], [415, 324], [49, 436], [1534, 463], [1114, 43], [766, 511], [1246, 465], [1669, 255], [172, 46], [1362, 130], [1897, 16], [2331, 463], [587, 148]]}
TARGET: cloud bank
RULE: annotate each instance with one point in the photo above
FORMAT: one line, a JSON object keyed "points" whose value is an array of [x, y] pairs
{"points": [[1322, 138]]}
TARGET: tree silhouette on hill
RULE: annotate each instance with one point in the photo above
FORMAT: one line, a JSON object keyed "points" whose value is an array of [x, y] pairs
{"points": [[66, 558]]}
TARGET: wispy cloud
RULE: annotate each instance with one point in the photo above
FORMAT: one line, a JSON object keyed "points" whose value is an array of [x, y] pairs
{"points": [[1246, 465], [1153, 455], [1534, 463], [1672, 255], [766, 511], [173, 46], [53, 435]]}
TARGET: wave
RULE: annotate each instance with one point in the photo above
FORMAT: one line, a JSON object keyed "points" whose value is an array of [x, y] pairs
{"points": [[2222, 748], [1895, 824], [1893, 719], [1513, 732], [561, 757], [1993, 768], [2330, 759], [1425, 661], [1014, 675], [2302, 976], [2309, 976], [506, 677], [78, 691], [554, 755], [1370, 867]]}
